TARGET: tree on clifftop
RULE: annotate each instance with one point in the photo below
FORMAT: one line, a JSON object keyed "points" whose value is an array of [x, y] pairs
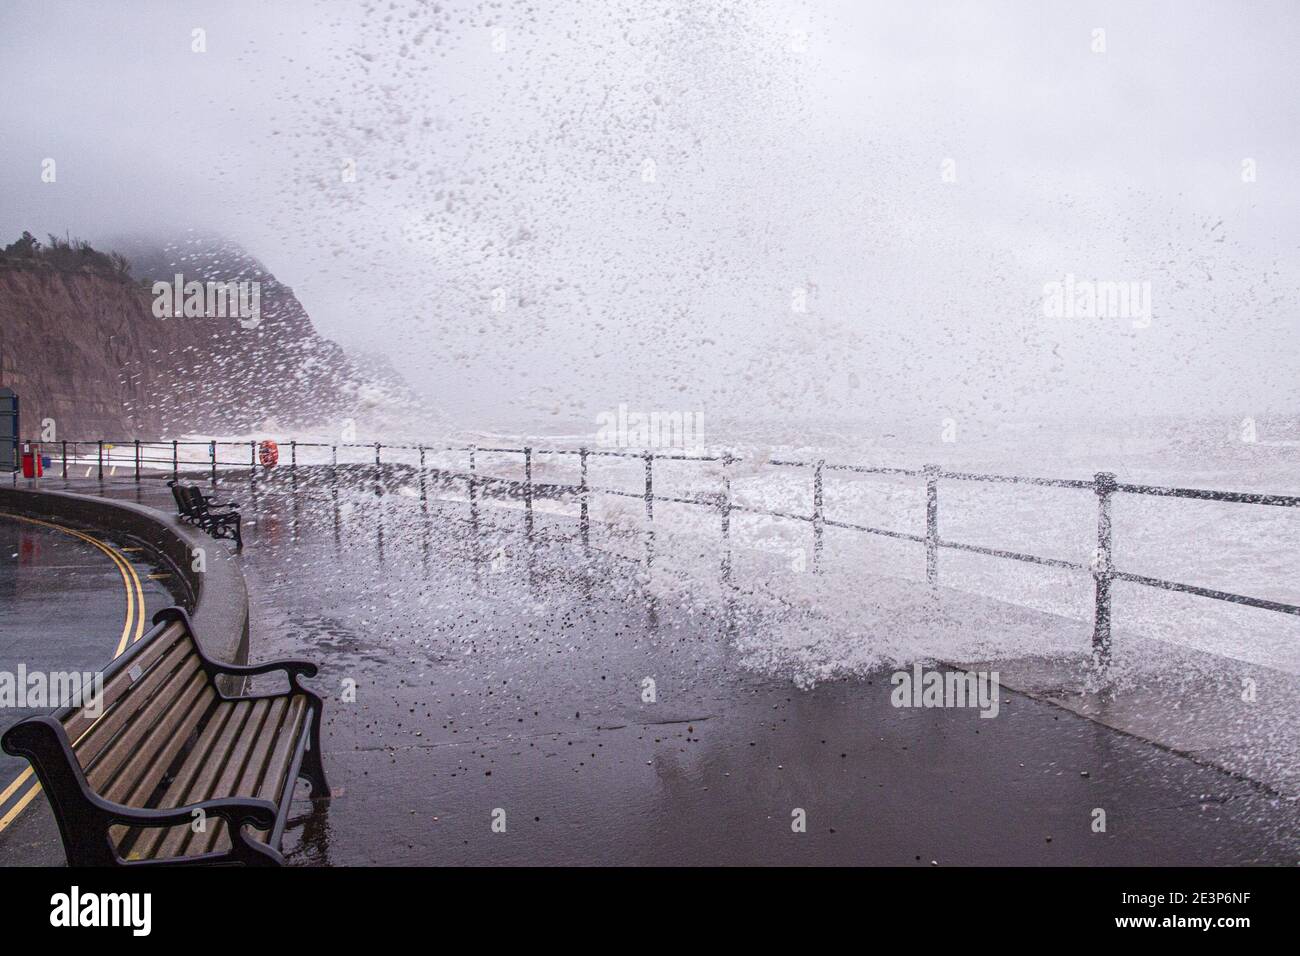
{"points": [[26, 247]]}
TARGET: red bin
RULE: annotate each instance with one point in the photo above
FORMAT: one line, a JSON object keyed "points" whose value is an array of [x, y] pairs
{"points": [[32, 460]]}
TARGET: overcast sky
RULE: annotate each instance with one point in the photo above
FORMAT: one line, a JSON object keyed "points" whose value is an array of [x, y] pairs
{"points": [[796, 154]]}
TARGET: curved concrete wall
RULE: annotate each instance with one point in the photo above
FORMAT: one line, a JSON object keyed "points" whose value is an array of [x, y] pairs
{"points": [[218, 596]]}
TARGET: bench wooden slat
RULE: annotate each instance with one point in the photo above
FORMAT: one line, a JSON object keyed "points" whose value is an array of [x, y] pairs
{"points": [[204, 786], [179, 687], [271, 785], [224, 723], [138, 780], [136, 784], [251, 780], [236, 764], [250, 749], [95, 740], [279, 736], [273, 781], [77, 723]]}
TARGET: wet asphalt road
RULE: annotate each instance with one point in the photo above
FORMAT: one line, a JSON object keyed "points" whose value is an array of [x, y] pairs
{"points": [[66, 605], [502, 681]]}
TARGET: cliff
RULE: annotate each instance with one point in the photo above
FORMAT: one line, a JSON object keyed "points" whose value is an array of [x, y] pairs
{"points": [[81, 344]]}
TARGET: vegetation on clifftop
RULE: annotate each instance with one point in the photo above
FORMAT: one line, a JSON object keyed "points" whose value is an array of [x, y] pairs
{"points": [[66, 253]]}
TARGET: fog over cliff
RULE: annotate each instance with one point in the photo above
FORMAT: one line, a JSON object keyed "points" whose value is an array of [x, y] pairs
{"points": [[751, 210]]}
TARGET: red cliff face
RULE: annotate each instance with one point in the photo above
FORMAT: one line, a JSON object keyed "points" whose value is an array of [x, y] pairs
{"points": [[82, 346]]}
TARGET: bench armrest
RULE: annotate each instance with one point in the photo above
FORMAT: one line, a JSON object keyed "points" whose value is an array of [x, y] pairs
{"points": [[236, 811], [290, 667], [293, 669]]}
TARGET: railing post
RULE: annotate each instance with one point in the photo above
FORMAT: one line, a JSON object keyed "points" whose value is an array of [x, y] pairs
{"points": [[473, 485], [137, 461], [424, 494], [252, 461], [379, 511], [931, 524], [818, 520], [528, 491], [212, 452], [1103, 570], [649, 508], [293, 482], [101, 459], [649, 487], [65, 460], [584, 520], [334, 484], [176, 465], [725, 506]]}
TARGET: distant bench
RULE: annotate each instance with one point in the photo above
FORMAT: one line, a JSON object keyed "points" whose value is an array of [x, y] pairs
{"points": [[196, 508], [169, 749]]}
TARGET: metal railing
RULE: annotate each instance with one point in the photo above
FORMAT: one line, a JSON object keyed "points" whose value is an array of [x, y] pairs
{"points": [[1104, 485]]}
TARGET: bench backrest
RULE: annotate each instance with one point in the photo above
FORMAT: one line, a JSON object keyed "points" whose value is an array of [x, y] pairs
{"points": [[194, 503], [150, 696]]}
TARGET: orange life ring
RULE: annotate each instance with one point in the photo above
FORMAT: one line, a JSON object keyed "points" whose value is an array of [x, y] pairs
{"points": [[268, 453]]}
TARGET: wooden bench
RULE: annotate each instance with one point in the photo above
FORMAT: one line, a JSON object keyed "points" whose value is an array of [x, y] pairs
{"points": [[197, 509], [169, 748]]}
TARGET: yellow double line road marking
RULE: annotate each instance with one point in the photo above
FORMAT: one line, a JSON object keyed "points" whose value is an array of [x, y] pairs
{"points": [[134, 621], [130, 580]]}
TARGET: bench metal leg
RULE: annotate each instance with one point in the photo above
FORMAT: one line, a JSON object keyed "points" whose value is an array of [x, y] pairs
{"points": [[313, 768], [84, 832], [250, 851]]}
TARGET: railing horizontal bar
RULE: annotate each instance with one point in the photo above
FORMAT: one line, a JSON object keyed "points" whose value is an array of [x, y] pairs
{"points": [[885, 532], [1013, 555], [1015, 479], [707, 501], [1207, 592], [872, 470], [770, 514], [658, 457], [637, 455], [712, 501], [129, 441], [1246, 498]]}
